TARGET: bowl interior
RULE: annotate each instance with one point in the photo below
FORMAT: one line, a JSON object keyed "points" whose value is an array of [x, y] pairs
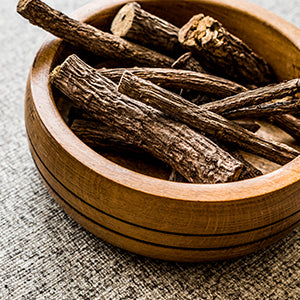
{"points": [[256, 34]]}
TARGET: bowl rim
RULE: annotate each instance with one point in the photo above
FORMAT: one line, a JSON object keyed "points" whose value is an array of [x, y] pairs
{"points": [[53, 122]]}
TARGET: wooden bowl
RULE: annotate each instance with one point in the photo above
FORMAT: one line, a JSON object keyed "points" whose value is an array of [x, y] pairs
{"points": [[130, 203]]}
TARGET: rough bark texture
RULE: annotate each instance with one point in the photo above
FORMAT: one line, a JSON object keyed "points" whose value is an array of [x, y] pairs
{"points": [[265, 109], [99, 135], [96, 134], [88, 37], [194, 156], [180, 79], [248, 170], [138, 25], [288, 123], [206, 121], [254, 97], [223, 53], [187, 62]]}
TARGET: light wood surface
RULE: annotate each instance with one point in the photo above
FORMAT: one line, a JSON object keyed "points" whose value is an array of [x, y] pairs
{"points": [[152, 216]]}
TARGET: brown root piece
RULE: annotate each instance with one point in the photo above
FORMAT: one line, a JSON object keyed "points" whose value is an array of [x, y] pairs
{"points": [[137, 25], [288, 123], [188, 62], [248, 171], [206, 121], [223, 53], [255, 97], [191, 154], [144, 28], [88, 37], [96, 134], [265, 109], [99, 135], [180, 79]]}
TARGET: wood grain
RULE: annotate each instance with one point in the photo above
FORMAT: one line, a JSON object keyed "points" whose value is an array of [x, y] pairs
{"points": [[265, 110], [185, 79], [203, 120], [190, 153], [136, 24], [88, 37], [221, 52], [154, 217], [255, 97]]}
